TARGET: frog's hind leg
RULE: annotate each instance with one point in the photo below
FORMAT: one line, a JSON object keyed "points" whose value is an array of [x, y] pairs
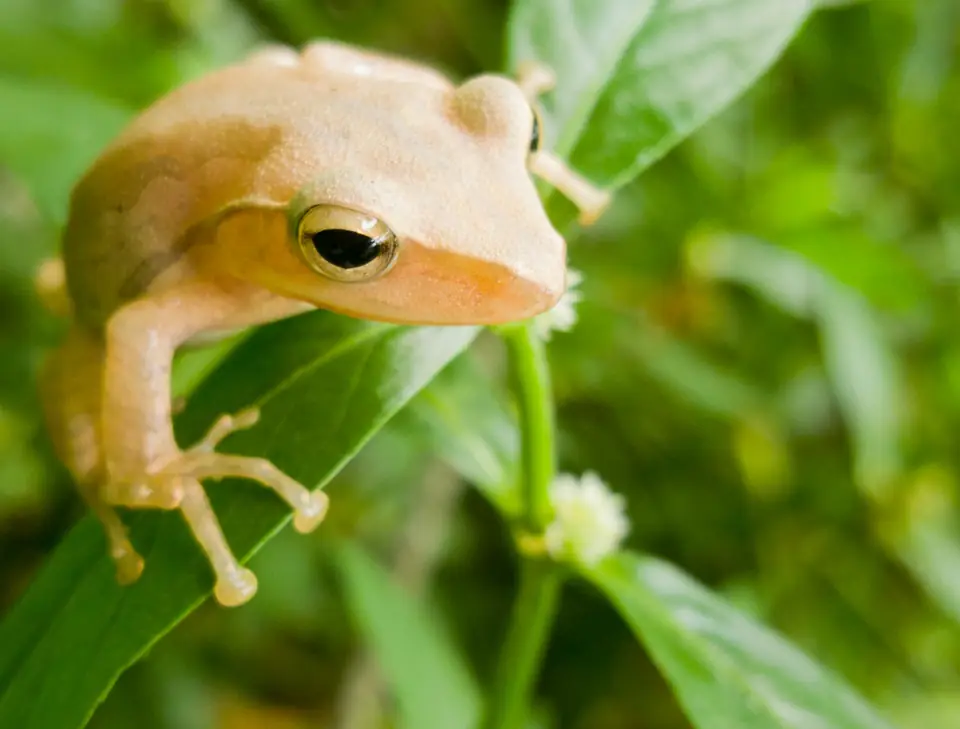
{"points": [[71, 385], [535, 79]]}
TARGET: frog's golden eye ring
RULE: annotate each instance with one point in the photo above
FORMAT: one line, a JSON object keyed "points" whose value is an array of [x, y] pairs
{"points": [[345, 244]]}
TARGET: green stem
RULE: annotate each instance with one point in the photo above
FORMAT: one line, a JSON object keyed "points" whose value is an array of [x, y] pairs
{"points": [[528, 360], [530, 624], [540, 580]]}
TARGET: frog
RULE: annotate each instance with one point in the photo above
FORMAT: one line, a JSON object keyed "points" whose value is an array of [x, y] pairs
{"points": [[327, 176]]}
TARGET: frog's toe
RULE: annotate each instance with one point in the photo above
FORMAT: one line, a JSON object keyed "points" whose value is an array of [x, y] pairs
{"points": [[309, 506], [311, 512], [129, 566], [224, 426], [235, 587], [234, 584]]}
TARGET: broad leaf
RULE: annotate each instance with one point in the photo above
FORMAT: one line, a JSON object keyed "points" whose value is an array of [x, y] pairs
{"points": [[325, 385], [429, 680], [635, 77], [728, 671], [465, 420]]}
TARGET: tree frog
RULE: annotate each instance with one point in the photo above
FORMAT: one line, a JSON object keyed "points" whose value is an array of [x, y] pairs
{"points": [[326, 177]]}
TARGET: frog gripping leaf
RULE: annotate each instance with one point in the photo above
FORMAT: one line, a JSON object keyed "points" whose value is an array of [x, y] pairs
{"points": [[332, 178]]}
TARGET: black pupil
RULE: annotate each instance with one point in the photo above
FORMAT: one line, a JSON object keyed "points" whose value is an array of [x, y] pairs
{"points": [[345, 248], [535, 135]]}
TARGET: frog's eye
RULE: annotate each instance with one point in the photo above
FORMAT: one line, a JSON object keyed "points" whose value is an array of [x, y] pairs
{"points": [[535, 131], [345, 244]]}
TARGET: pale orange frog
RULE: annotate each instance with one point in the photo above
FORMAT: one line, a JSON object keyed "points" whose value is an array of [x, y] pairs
{"points": [[331, 178]]}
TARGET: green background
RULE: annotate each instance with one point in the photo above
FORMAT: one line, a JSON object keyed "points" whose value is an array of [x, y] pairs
{"points": [[767, 366]]}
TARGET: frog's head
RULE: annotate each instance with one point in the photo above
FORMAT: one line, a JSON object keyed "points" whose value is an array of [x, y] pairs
{"points": [[425, 211]]}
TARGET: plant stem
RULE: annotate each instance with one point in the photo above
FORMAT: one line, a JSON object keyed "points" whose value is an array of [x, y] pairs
{"points": [[540, 580], [530, 624], [528, 360]]}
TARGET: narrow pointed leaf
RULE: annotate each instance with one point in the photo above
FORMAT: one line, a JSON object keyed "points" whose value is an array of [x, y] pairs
{"points": [[863, 370], [426, 674], [325, 385]]}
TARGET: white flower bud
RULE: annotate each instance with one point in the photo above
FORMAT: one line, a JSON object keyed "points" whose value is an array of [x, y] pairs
{"points": [[563, 316], [590, 521]]}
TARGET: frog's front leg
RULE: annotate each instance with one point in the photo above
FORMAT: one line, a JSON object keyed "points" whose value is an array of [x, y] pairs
{"points": [[145, 467]]}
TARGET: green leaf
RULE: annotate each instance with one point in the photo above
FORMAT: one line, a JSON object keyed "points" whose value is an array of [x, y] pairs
{"points": [[433, 688], [682, 370], [782, 277], [863, 370], [858, 357], [77, 44], [55, 134], [325, 384], [727, 670], [931, 553], [635, 77], [854, 259], [468, 422]]}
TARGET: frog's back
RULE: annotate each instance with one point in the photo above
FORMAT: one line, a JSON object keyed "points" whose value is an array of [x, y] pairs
{"points": [[241, 133], [175, 165]]}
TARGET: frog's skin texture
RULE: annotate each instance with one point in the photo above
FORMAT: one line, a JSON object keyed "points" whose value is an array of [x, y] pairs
{"points": [[197, 220]]}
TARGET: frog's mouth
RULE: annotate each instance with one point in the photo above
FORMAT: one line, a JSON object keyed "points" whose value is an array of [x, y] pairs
{"points": [[434, 287]]}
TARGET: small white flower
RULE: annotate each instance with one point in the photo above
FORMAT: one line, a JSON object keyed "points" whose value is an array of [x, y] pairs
{"points": [[563, 316], [589, 521]]}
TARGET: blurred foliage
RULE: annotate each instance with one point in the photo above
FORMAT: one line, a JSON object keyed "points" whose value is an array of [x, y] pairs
{"points": [[767, 366]]}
